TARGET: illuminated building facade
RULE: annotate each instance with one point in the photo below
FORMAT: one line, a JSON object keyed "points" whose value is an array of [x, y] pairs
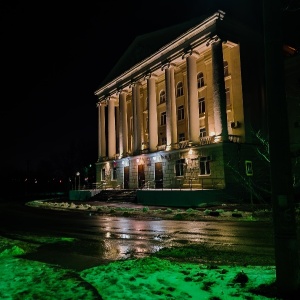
{"points": [[179, 110]]}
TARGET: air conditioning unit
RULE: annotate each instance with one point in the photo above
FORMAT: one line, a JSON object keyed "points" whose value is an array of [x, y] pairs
{"points": [[235, 124]]}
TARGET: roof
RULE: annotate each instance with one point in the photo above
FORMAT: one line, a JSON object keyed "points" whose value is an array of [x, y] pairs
{"points": [[150, 50], [147, 44]]}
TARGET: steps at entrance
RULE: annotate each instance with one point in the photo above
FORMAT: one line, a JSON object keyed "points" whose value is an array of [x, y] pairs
{"points": [[115, 196]]}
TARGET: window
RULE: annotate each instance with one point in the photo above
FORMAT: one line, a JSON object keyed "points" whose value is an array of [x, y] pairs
{"points": [[200, 80], [163, 140], [227, 91], [163, 118], [180, 113], [103, 174], [179, 167], [179, 89], [181, 137], [114, 174], [201, 105], [202, 132], [226, 72], [204, 165], [162, 96]]}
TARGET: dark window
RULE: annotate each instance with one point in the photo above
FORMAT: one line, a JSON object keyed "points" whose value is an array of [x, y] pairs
{"points": [[114, 173], [103, 174], [162, 97], [179, 167], [202, 132], [181, 137], [201, 105], [200, 80], [179, 89], [163, 140], [204, 165], [163, 118], [180, 113]]}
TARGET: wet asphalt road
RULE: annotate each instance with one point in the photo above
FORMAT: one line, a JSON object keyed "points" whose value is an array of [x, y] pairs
{"points": [[101, 239]]}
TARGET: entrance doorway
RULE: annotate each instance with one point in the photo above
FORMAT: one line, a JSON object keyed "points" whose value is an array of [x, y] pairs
{"points": [[126, 177], [141, 176], [158, 176]]}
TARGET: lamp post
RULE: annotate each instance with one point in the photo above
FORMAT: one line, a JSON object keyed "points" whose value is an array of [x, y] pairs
{"points": [[78, 174]]}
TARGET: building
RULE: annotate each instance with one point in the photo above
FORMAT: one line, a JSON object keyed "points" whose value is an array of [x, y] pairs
{"points": [[181, 109]]}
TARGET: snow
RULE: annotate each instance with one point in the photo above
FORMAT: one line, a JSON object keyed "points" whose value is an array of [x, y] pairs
{"points": [[145, 278]]}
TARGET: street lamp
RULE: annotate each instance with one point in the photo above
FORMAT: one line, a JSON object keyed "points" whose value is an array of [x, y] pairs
{"points": [[78, 174]]}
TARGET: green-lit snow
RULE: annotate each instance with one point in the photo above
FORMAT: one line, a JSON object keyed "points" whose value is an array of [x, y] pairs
{"points": [[146, 278]]}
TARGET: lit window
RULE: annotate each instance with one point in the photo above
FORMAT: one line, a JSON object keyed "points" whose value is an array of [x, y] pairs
{"points": [[202, 132], [200, 80], [163, 118], [226, 72], [227, 91], [179, 167], [180, 113], [162, 96], [201, 105], [179, 89], [181, 137], [204, 165]]}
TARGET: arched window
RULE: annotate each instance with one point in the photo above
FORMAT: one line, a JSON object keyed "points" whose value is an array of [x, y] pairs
{"points": [[200, 80], [179, 89], [162, 96], [226, 72]]}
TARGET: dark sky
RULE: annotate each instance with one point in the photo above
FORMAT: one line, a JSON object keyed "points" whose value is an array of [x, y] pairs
{"points": [[54, 55]]}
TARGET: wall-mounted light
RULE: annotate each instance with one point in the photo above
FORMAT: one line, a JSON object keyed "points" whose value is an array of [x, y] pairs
{"points": [[154, 158], [137, 160]]}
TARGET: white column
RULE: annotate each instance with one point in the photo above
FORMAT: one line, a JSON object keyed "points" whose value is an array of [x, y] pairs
{"points": [[152, 113], [123, 129], [139, 119], [219, 96], [101, 130], [134, 120], [111, 128], [193, 106], [171, 126]]}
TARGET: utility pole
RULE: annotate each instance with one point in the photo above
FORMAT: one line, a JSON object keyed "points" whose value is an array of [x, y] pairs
{"points": [[285, 229]]}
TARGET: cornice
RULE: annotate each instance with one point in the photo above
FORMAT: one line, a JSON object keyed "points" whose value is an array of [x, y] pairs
{"points": [[194, 37]]}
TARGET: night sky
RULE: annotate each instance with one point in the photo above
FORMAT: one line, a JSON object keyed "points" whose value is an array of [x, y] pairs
{"points": [[55, 54]]}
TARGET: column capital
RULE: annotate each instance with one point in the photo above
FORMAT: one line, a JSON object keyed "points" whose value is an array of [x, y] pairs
{"points": [[167, 65], [150, 75], [122, 90], [212, 40], [134, 83], [101, 102], [190, 52], [112, 99]]}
